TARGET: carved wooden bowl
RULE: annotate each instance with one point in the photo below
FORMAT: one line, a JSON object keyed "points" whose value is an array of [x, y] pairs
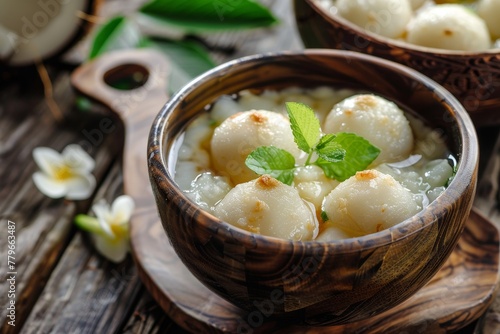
{"points": [[314, 283], [473, 77]]}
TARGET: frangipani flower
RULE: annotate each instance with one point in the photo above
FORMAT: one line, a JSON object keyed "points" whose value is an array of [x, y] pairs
{"points": [[110, 228], [64, 175]]}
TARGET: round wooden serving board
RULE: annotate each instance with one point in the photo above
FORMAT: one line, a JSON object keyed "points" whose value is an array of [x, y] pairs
{"points": [[460, 292]]}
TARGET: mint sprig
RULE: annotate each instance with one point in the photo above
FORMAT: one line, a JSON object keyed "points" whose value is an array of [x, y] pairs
{"points": [[359, 153], [329, 148], [274, 161], [305, 125], [339, 155]]}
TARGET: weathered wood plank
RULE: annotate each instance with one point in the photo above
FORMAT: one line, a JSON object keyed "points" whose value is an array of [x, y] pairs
{"points": [[488, 191], [43, 225], [86, 293], [488, 203], [149, 318]]}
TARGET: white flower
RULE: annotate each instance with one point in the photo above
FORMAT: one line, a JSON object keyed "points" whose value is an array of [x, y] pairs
{"points": [[110, 230], [64, 175]]}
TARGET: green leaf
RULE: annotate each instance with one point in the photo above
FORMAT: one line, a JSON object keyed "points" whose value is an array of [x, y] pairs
{"points": [[88, 223], [329, 149], [202, 15], [83, 103], [324, 216], [189, 59], [305, 125], [117, 34], [359, 154], [273, 161]]}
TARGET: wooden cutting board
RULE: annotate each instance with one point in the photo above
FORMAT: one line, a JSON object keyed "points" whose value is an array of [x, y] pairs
{"points": [[460, 292]]}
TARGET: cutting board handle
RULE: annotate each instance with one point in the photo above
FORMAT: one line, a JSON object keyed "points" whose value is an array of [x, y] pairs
{"points": [[136, 107], [92, 79]]}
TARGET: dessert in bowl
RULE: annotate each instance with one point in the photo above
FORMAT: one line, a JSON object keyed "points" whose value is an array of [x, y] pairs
{"points": [[310, 281], [472, 75]]}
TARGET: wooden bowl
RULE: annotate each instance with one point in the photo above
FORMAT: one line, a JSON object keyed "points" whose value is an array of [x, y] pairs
{"points": [[314, 283], [473, 77]]}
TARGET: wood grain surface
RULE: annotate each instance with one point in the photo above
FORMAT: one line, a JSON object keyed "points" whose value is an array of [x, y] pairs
{"points": [[63, 282], [43, 226], [456, 296], [198, 309]]}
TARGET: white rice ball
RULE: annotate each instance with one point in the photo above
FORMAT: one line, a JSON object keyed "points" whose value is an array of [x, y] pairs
{"points": [[256, 102], [434, 193], [489, 11], [450, 27], [377, 120], [313, 185], [369, 202], [268, 207], [242, 133], [207, 190], [185, 173], [225, 107], [332, 233], [384, 17], [437, 172]]}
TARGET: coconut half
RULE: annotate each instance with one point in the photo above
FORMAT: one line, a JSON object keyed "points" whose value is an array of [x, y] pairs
{"points": [[32, 30]]}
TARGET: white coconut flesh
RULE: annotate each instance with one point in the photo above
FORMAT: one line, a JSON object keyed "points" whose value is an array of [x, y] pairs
{"points": [[35, 30]]}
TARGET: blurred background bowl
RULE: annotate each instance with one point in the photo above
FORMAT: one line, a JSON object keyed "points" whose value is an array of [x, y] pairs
{"points": [[314, 283], [35, 31], [473, 77]]}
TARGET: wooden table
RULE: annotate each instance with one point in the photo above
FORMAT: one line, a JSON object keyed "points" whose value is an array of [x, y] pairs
{"points": [[62, 284]]}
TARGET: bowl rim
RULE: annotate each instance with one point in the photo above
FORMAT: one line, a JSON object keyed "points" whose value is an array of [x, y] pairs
{"points": [[158, 162], [392, 42]]}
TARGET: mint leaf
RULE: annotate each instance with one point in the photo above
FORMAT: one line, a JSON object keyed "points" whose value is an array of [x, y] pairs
{"points": [[273, 161], [359, 154], [340, 155], [324, 216], [329, 149], [117, 34], [201, 15], [305, 125]]}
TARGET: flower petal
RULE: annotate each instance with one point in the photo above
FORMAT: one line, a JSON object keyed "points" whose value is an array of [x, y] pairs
{"points": [[114, 250], [48, 186], [101, 209], [76, 157], [80, 187], [46, 158], [122, 208], [121, 230], [102, 212]]}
